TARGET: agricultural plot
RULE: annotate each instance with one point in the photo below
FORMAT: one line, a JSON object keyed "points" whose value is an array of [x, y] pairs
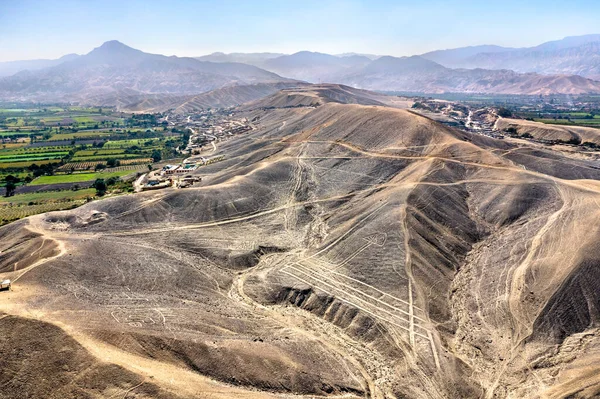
{"points": [[573, 122], [30, 159], [77, 158], [99, 152], [12, 146], [30, 155], [136, 161], [25, 164], [76, 177], [126, 164], [129, 143], [21, 158], [47, 196], [129, 168], [79, 166], [34, 150], [11, 213], [77, 135]]}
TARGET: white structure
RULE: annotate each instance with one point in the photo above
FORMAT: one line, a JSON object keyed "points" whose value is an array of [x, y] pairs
{"points": [[6, 284]]}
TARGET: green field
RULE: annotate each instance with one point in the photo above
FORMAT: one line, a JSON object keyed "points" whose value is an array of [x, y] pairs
{"points": [[84, 119], [573, 122], [36, 150], [78, 135], [84, 153], [129, 143], [104, 157], [76, 177], [75, 128], [49, 196], [24, 133], [30, 160], [24, 156]]}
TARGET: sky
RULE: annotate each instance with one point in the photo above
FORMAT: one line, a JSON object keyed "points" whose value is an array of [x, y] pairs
{"points": [[32, 29]]}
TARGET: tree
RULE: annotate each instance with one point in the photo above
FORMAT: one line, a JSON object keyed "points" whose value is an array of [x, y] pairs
{"points": [[156, 156], [504, 113], [111, 162], [100, 187], [11, 185], [111, 181]]}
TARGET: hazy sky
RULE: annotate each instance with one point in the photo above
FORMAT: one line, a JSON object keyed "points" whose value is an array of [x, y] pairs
{"points": [[48, 29]]}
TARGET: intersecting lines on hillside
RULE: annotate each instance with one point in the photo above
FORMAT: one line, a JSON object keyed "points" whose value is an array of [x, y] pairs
{"points": [[396, 313]]}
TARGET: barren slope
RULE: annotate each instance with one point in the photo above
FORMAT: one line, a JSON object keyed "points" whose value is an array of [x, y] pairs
{"points": [[339, 250], [542, 131]]}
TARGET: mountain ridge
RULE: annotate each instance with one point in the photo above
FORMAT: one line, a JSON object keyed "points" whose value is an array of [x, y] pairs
{"points": [[573, 55], [114, 69]]}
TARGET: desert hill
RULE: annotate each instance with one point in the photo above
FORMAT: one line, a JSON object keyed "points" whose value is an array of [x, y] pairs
{"points": [[553, 133], [225, 97], [315, 95], [343, 248]]}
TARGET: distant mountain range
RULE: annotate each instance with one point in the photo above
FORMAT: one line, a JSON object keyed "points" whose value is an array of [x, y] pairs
{"points": [[577, 55], [12, 67], [417, 74], [115, 74], [114, 70], [256, 59]]}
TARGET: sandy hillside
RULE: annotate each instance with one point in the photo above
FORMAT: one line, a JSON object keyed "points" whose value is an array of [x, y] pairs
{"points": [[342, 249]]}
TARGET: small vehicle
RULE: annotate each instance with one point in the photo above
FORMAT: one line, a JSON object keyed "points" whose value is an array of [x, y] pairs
{"points": [[5, 285]]}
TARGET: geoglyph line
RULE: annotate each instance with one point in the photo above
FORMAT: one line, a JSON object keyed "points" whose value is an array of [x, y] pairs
{"points": [[395, 319]]}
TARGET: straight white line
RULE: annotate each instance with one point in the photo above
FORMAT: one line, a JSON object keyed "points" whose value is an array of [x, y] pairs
{"points": [[353, 304], [357, 290], [360, 300]]}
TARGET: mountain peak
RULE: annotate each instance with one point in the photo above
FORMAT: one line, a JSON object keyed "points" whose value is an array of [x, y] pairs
{"points": [[112, 44], [113, 53]]}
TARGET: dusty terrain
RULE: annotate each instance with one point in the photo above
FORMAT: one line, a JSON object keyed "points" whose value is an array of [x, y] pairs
{"points": [[339, 250], [557, 133]]}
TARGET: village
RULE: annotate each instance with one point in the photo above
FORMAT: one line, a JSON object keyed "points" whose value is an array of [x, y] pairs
{"points": [[207, 129]]}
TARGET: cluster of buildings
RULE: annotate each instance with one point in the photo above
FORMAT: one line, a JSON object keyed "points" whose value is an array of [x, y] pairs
{"points": [[208, 128], [205, 135], [178, 176], [181, 169]]}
